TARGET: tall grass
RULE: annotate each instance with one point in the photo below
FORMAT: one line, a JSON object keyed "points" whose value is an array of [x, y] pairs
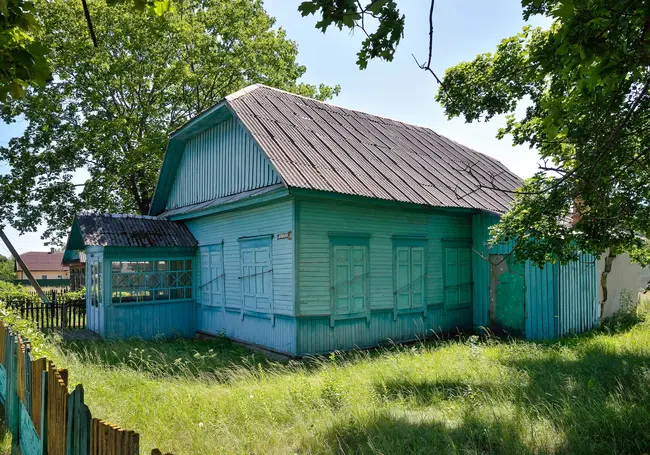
{"points": [[582, 395]]}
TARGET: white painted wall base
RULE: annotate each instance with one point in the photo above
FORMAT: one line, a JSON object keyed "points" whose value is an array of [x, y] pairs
{"points": [[626, 279]]}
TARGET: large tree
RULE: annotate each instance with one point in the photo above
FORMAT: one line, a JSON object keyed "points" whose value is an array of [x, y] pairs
{"points": [[585, 83], [7, 272], [109, 108]]}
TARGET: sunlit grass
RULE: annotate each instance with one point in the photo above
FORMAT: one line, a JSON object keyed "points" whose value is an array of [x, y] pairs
{"points": [[587, 394]]}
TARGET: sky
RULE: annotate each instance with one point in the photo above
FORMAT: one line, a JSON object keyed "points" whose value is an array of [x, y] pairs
{"points": [[397, 89]]}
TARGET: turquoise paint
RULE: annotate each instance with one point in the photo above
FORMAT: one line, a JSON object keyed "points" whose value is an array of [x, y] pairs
{"points": [[322, 226], [30, 443], [578, 296], [272, 326], [558, 299], [510, 313], [3, 381], [316, 336], [221, 161], [174, 152]]}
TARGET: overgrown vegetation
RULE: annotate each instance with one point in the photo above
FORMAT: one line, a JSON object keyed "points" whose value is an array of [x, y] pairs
{"points": [[587, 394], [581, 395]]}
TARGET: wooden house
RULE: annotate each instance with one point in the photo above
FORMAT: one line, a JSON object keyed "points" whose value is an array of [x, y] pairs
{"points": [[304, 227]]}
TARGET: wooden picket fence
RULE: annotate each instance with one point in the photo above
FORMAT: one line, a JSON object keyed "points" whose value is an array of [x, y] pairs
{"points": [[63, 311], [43, 417]]}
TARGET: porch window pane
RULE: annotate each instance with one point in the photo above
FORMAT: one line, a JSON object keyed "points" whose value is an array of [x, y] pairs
{"points": [[143, 281]]}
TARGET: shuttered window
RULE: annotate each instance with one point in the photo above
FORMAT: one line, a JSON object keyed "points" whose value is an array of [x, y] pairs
{"points": [[211, 287], [410, 273], [256, 274], [349, 255], [458, 276]]}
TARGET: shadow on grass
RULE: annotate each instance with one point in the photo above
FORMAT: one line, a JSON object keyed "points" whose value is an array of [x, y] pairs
{"points": [[399, 434], [598, 403]]}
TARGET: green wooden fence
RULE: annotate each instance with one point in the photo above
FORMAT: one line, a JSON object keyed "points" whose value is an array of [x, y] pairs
{"points": [[44, 418]]}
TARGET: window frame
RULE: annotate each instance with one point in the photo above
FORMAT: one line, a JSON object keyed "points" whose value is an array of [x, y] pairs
{"points": [[457, 243], [248, 243], [209, 250], [411, 242], [337, 239], [188, 291]]}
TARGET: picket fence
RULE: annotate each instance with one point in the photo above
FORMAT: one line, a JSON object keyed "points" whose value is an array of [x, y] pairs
{"points": [[43, 417], [63, 311]]}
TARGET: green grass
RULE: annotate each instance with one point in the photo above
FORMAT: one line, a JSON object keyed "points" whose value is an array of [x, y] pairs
{"points": [[583, 395]]}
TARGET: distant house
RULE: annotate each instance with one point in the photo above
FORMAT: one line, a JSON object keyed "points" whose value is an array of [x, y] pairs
{"points": [[304, 227], [44, 265]]}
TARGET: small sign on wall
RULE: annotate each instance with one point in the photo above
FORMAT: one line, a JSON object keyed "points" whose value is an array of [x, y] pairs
{"points": [[284, 235]]}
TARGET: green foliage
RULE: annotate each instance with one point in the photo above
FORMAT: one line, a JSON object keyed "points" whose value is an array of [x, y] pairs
{"points": [[586, 83], [10, 291], [380, 43], [109, 109], [22, 56], [582, 395], [7, 272]]}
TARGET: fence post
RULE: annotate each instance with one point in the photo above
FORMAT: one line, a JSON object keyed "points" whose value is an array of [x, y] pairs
{"points": [[54, 307]]}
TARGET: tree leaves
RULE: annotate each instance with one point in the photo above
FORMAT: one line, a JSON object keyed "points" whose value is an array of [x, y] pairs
{"points": [[108, 111], [380, 43], [586, 81]]}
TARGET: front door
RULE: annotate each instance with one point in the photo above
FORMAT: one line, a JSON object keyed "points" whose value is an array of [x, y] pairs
{"points": [[507, 295], [94, 293]]}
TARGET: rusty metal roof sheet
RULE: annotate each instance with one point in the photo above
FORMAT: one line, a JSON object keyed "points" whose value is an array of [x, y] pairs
{"points": [[133, 231], [318, 146]]}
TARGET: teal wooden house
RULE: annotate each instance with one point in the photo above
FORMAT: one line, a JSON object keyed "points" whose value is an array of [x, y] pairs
{"points": [[304, 227]]}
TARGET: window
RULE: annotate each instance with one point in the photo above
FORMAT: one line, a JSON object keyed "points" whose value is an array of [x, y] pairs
{"points": [[59, 276], [410, 273], [458, 276], [256, 274], [143, 281], [43, 277], [211, 287], [95, 283], [349, 274]]}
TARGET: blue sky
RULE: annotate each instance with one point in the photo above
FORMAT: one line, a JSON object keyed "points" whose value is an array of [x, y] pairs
{"points": [[399, 90]]}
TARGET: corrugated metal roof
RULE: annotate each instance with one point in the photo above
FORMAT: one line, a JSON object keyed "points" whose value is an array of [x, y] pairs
{"points": [[42, 261], [133, 231], [318, 146]]}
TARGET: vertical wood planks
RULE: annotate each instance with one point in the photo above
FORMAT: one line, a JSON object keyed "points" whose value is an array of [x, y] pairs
{"points": [[109, 439], [57, 408], [60, 419], [78, 429], [38, 366]]}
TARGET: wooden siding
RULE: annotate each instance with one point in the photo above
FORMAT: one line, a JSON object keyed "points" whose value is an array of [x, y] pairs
{"points": [[146, 320], [274, 328], [319, 330], [220, 161], [316, 219], [316, 336]]}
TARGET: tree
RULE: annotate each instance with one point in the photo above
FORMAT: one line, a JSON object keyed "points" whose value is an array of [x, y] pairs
{"points": [[109, 109], [7, 272], [586, 83]]}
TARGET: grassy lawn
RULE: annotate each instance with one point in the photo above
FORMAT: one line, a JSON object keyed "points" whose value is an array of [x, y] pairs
{"points": [[588, 394]]}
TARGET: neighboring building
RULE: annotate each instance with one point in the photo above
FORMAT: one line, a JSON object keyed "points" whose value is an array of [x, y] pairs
{"points": [[624, 281], [45, 266], [304, 228]]}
